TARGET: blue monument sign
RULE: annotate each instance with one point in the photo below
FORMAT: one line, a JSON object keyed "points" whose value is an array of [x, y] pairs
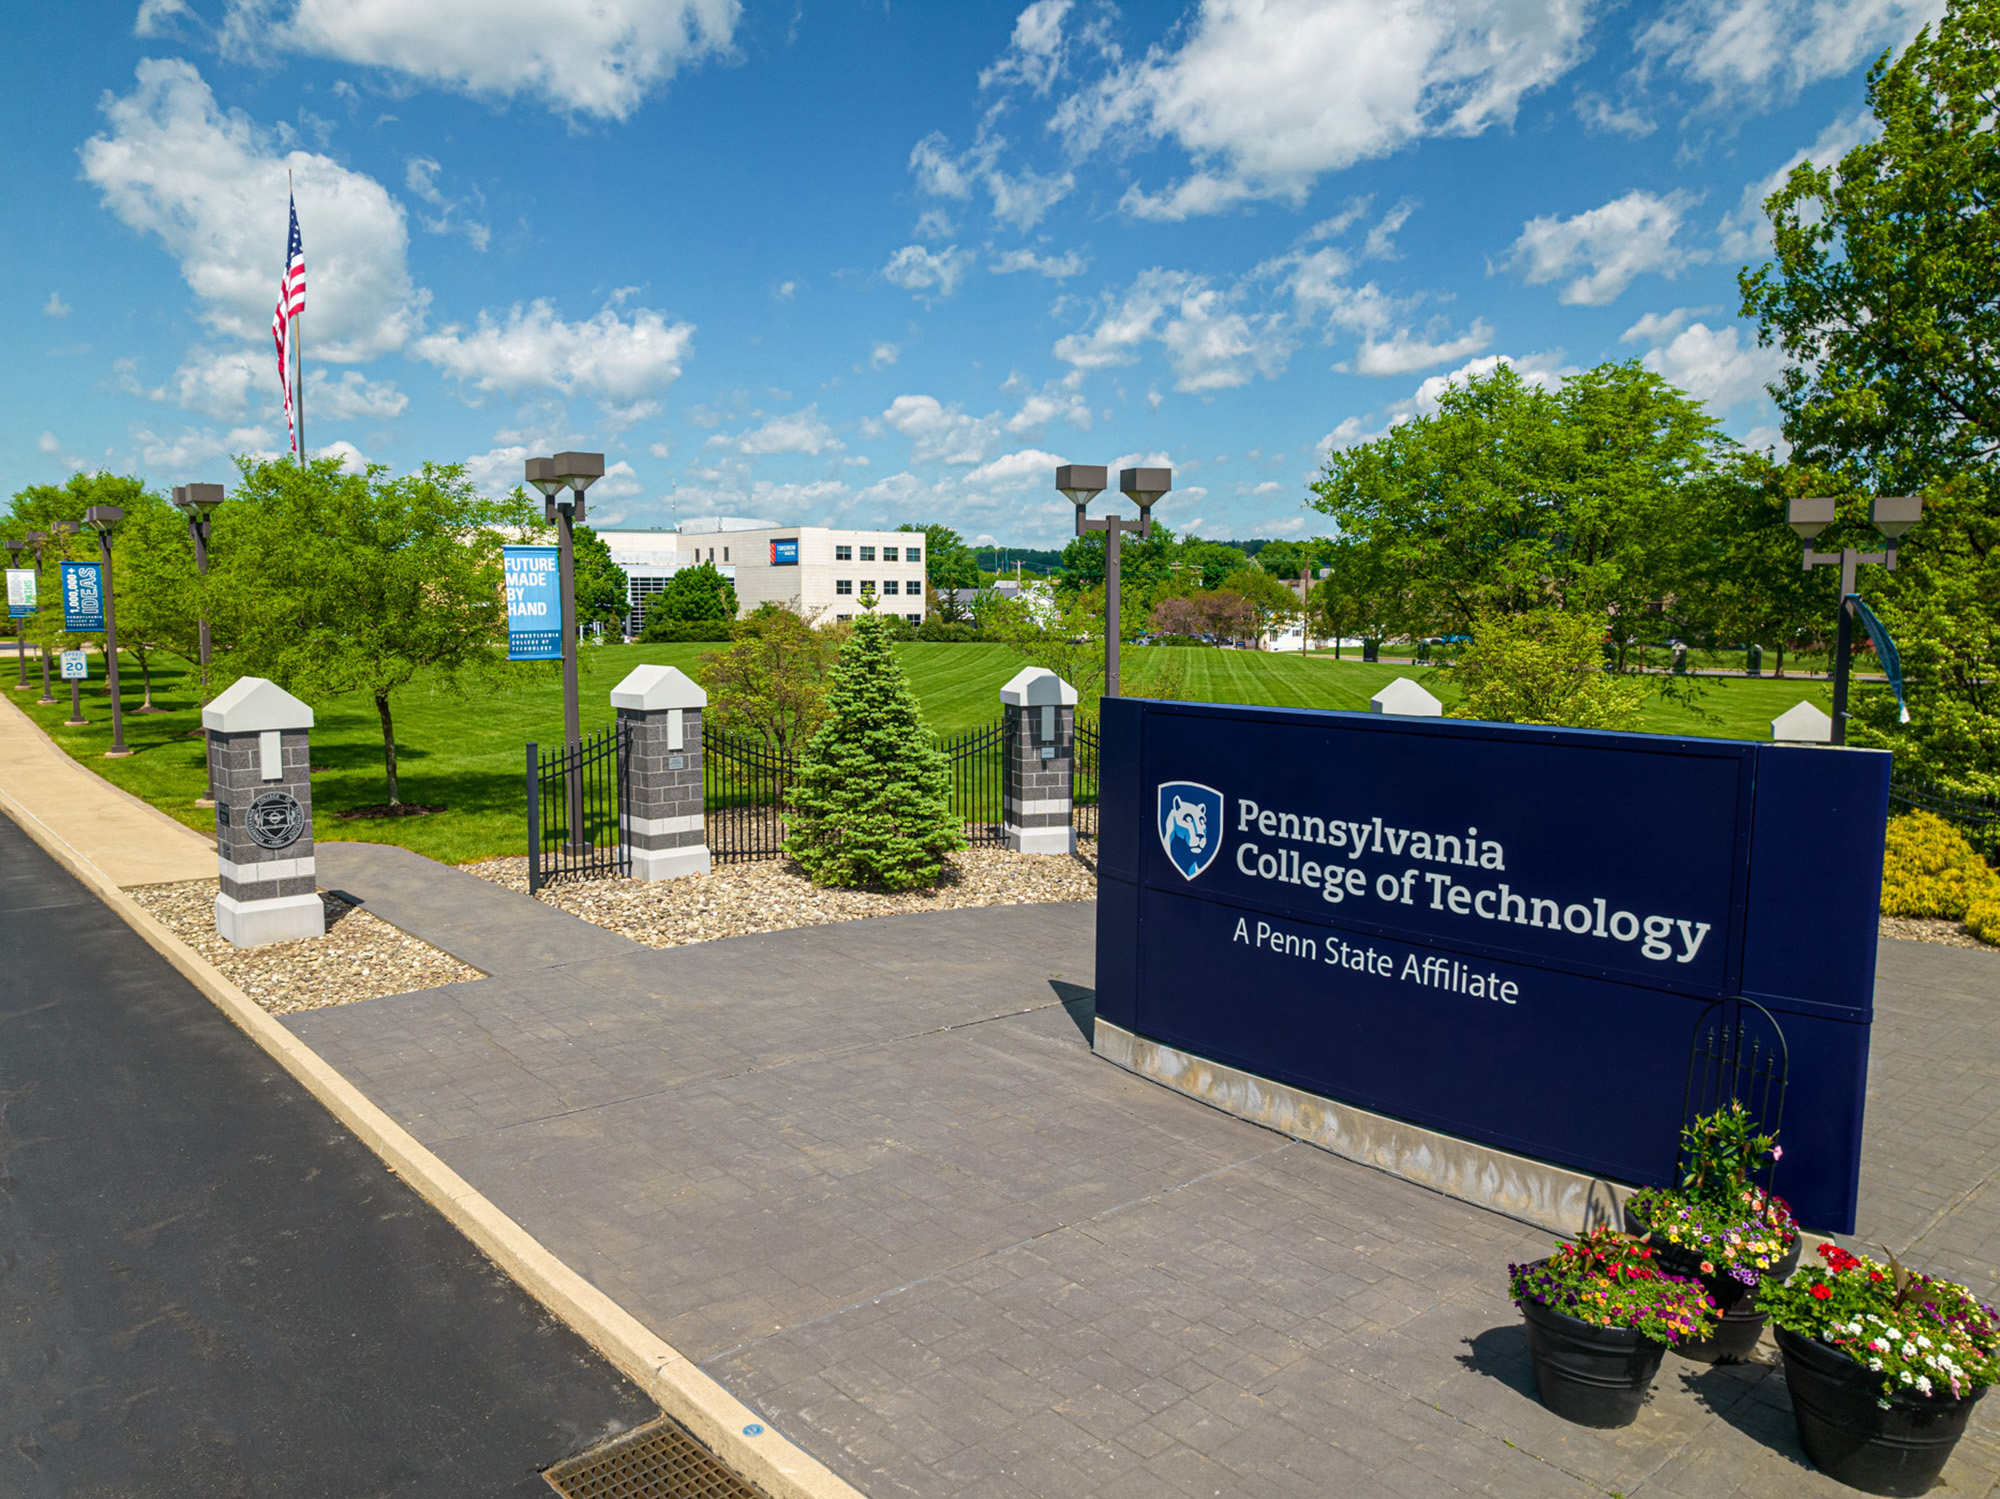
{"points": [[1501, 932], [534, 603]]}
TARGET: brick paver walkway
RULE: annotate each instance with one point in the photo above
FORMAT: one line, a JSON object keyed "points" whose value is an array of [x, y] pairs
{"points": [[871, 1177]]}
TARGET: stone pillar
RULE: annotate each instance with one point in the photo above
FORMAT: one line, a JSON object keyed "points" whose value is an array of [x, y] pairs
{"points": [[260, 747], [664, 827], [1038, 711]]}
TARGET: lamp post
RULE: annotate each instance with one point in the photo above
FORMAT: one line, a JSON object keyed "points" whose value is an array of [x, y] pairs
{"points": [[572, 473], [14, 550], [101, 518], [1082, 483], [197, 502], [1892, 515], [76, 720], [38, 540]]}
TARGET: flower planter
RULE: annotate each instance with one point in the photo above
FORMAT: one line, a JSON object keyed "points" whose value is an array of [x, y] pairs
{"points": [[1594, 1376], [1742, 1324], [1852, 1439]]}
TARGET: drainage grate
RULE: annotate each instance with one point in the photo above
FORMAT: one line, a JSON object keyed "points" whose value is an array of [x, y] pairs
{"points": [[655, 1461]]}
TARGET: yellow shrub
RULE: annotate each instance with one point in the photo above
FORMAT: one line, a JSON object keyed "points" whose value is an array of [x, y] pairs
{"points": [[1928, 869], [1982, 916]]}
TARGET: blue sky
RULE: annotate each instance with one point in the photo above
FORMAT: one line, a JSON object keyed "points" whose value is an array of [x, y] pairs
{"points": [[827, 261]]}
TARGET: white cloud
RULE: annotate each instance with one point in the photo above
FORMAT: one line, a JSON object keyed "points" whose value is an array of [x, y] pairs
{"points": [[500, 469], [1608, 245], [1758, 54], [351, 398], [1057, 399], [352, 459], [222, 384], [1746, 230], [1546, 370], [48, 442], [917, 269], [1381, 241], [612, 357], [594, 57], [620, 482], [1599, 113], [1267, 95], [420, 174], [55, 306], [193, 451], [799, 432], [1022, 470], [1055, 267], [212, 187], [941, 433], [154, 16], [1034, 54], [1211, 345], [661, 450], [1404, 353], [784, 291], [1019, 198], [1719, 366], [883, 355]]}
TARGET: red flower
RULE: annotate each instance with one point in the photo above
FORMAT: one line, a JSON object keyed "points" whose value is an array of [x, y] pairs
{"points": [[1821, 1293]]}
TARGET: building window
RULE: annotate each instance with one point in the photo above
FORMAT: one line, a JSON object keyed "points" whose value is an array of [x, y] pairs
{"points": [[867, 584], [868, 554], [843, 554], [913, 554], [915, 619], [725, 554], [843, 618], [888, 554], [844, 585], [889, 585]]}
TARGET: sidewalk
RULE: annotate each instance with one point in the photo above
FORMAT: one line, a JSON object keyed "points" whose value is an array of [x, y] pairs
{"points": [[871, 1178], [133, 844]]}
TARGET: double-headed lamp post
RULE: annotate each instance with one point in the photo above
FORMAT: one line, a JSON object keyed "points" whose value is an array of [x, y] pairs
{"points": [[14, 550], [101, 518], [1084, 482], [198, 502], [1892, 515], [573, 473]]}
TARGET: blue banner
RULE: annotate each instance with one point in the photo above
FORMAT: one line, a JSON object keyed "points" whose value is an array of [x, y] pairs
{"points": [[1505, 933], [534, 603], [1885, 651], [83, 597], [785, 553]]}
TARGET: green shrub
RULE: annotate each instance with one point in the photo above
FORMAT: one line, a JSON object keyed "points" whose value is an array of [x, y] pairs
{"points": [[872, 802], [660, 630], [1928, 869], [1982, 915]]}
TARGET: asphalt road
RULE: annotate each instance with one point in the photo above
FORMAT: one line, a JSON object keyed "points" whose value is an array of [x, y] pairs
{"points": [[207, 1285]]}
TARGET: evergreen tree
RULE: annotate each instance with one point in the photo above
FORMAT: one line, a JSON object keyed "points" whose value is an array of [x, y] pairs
{"points": [[872, 804]]}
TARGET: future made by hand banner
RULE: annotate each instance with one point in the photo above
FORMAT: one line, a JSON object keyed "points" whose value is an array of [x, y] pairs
{"points": [[83, 597], [22, 596], [534, 603]]}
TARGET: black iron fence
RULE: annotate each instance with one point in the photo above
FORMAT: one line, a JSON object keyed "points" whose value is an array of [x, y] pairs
{"points": [[576, 800], [977, 761], [744, 785], [1083, 791], [1978, 817]]}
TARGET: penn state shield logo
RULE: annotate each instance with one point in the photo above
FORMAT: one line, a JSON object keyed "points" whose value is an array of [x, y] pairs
{"points": [[1190, 825]]}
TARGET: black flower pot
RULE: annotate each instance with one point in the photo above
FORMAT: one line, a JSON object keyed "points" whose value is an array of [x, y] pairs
{"points": [[1851, 1439], [1594, 1376], [1737, 1330], [1741, 1324]]}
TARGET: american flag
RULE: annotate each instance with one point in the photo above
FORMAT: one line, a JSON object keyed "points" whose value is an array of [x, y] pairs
{"points": [[291, 304]]}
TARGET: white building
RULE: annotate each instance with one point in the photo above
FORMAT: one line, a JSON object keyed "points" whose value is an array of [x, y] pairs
{"points": [[815, 568]]}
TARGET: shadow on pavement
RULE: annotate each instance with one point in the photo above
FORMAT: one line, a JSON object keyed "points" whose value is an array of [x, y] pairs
{"points": [[1081, 1005]]}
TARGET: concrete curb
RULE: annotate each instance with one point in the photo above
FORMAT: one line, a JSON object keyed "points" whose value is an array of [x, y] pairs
{"points": [[715, 1417]]}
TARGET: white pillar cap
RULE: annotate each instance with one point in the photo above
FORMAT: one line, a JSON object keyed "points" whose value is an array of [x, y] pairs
{"points": [[648, 688], [1802, 723], [1038, 687], [1406, 699], [254, 706]]}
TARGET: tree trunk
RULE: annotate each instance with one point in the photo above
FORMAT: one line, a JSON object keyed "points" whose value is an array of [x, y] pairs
{"points": [[1781, 659], [388, 745], [145, 680]]}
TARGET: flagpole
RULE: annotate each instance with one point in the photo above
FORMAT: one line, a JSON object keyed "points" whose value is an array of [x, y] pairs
{"points": [[298, 355]]}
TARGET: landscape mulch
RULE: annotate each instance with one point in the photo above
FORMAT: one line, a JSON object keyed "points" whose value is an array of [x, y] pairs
{"points": [[360, 957], [773, 895]]}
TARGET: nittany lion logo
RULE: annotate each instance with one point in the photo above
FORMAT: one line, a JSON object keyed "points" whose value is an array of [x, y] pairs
{"points": [[1190, 825]]}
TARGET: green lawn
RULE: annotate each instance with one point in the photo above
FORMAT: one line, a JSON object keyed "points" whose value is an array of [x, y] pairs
{"points": [[466, 754]]}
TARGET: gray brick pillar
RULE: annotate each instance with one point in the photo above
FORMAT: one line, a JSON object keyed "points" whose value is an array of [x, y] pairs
{"points": [[1038, 711], [664, 827], [259, 743]]}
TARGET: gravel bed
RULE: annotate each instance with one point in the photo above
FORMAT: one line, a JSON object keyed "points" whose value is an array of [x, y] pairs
{"points": [[1947, 933], [773, 895], [360, 957]]}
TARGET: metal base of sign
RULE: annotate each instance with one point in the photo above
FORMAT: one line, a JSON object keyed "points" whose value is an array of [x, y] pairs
{"points": [[1551, 1197]]}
